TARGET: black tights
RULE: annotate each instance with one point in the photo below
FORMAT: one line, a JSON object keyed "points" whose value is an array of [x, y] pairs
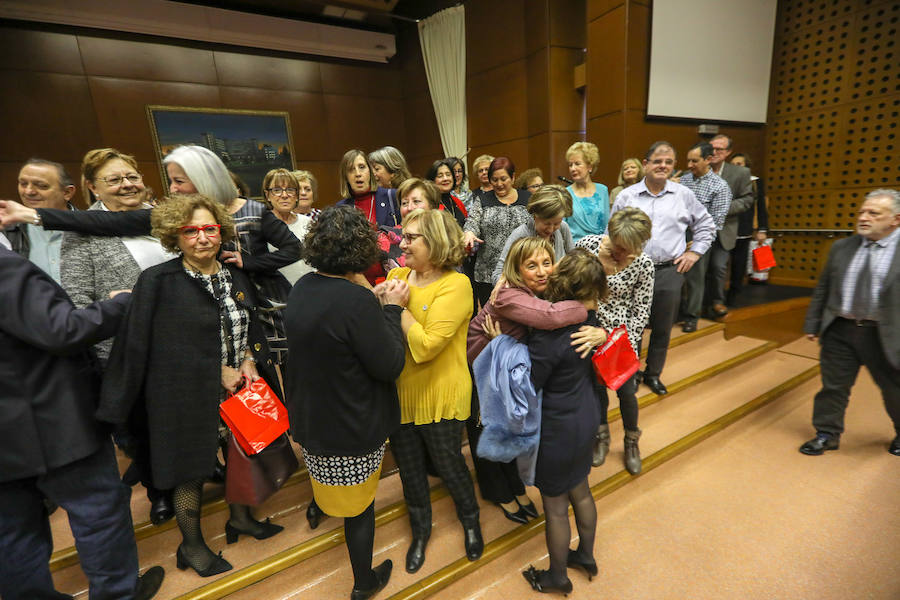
{"points": [[359, 532], [558, 532]]}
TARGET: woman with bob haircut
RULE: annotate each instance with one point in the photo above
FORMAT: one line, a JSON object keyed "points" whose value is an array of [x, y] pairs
{"points": [[307, 192], [547, 207], [418, 193], [193, 305], [481, 166], [280, 191], [346, 351], [629, 273], [630, 173], [441, 173], [493, 216], [570, 414], [435, 387], [590, 201], [389, 167]]}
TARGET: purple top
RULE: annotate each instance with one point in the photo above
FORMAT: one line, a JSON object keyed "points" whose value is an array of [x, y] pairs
{"points": [[516, 309]]}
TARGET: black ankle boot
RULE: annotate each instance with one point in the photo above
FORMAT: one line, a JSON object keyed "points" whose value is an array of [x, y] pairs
{"points": [[415, 556], [473, 540], [314, 514]]}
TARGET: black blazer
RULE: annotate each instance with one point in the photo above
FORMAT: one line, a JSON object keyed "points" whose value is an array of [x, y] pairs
{"points": [[50, 380], [825, 305], [164, 371]]}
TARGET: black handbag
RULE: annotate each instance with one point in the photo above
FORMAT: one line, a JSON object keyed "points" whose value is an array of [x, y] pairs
{"points": [[251, 480]]}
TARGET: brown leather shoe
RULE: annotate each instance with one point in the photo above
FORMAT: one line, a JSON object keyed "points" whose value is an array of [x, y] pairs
{"points": [[720, 310]]}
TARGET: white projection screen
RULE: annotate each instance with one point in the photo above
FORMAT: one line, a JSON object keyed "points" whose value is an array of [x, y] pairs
{"points": [[711, 59]]}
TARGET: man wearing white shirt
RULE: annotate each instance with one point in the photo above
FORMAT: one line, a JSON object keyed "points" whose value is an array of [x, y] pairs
{"points": [[673, 209]]}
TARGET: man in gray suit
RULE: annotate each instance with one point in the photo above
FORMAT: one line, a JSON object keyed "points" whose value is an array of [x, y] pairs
{"points": [[738, 179], [855, 313]]}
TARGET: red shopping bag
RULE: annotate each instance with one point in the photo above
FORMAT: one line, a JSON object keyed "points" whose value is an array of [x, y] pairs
{"points": [[763, 258], [255, 416], [615, 361]]}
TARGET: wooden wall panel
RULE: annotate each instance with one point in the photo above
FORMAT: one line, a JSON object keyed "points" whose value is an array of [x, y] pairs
{"points": [[597, 8], [566, 103], [267, 72], [606, 63], [120, 105], [537, 92], [48, 115], [834, 110], [495, 33], [497, 104], [28, 50], [151, 61]]}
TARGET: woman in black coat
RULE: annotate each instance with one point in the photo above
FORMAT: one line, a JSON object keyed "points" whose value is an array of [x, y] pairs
{"points": [[188, 339], [570, 415], [346, 351]]}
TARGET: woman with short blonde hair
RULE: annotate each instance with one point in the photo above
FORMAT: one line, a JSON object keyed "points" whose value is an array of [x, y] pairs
{"points": [[630, 173], [548, 207], [590, 201], [630, 275], [435, 387], [480, 167]]}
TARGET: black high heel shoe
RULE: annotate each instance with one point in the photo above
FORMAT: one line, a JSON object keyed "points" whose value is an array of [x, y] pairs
{"points": [[314, 514], [266, 530], [540, 582], [520, 516], [576, 562], [530, 509], [218, 565]]}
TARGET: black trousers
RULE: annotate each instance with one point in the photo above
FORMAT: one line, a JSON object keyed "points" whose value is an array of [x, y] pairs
{"points": [[845, 348], [441, 442], [666, 298], [628, 404], [498, 481]]}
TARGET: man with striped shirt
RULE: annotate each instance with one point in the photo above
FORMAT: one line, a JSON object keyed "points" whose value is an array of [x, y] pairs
{"points": [[715, 195]]}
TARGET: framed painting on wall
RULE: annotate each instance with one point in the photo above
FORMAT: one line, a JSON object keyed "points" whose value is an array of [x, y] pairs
{"points": [[249, 142]]}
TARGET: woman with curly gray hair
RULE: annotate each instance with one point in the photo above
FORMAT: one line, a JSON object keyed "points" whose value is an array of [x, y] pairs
{"points": [[192, 305], [345, 352]]}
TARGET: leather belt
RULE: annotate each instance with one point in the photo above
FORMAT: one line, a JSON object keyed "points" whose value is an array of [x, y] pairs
{"points": [[664, 265], [860, 322]]}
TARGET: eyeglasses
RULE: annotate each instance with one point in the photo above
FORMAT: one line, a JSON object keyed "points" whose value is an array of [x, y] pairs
{"points": [[117, 180], [409, 238], [534, 186], [192, 231], [720, 149], [279, 191]]}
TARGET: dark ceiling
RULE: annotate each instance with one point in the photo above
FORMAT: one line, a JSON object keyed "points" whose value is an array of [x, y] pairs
{"points": [[404, 11]]}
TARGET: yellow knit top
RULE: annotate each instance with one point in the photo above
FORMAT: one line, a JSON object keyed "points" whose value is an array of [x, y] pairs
{"points": [[435, 383]]}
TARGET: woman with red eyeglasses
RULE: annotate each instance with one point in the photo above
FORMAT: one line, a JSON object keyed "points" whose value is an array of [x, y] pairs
{"points": [[191, 335]]}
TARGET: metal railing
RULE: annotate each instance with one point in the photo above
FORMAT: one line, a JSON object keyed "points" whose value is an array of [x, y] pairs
{"points": [[830, 233]]}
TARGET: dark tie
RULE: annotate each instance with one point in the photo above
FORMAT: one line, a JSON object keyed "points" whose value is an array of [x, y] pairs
{"points": [[862, 291]]}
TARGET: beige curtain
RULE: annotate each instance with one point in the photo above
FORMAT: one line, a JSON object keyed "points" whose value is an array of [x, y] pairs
{"points": [[443, 40]]}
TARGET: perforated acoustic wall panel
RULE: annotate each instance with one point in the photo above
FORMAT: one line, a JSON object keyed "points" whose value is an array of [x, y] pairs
{"points": [[834, 117]]}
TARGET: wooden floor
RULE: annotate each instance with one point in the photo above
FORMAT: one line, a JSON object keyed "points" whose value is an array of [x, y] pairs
{"points": [[740, 515]]}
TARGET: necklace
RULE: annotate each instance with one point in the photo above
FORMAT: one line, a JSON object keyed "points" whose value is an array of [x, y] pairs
{"points": [[195, 269]]}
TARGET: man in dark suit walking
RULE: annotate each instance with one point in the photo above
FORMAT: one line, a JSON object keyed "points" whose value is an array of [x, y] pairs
{"points": [[53, 447], [855, 313]]}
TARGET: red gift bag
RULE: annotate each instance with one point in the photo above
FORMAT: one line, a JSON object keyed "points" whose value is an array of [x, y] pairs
{"points": [[615, 361], [255, 416], [763, 258]]}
